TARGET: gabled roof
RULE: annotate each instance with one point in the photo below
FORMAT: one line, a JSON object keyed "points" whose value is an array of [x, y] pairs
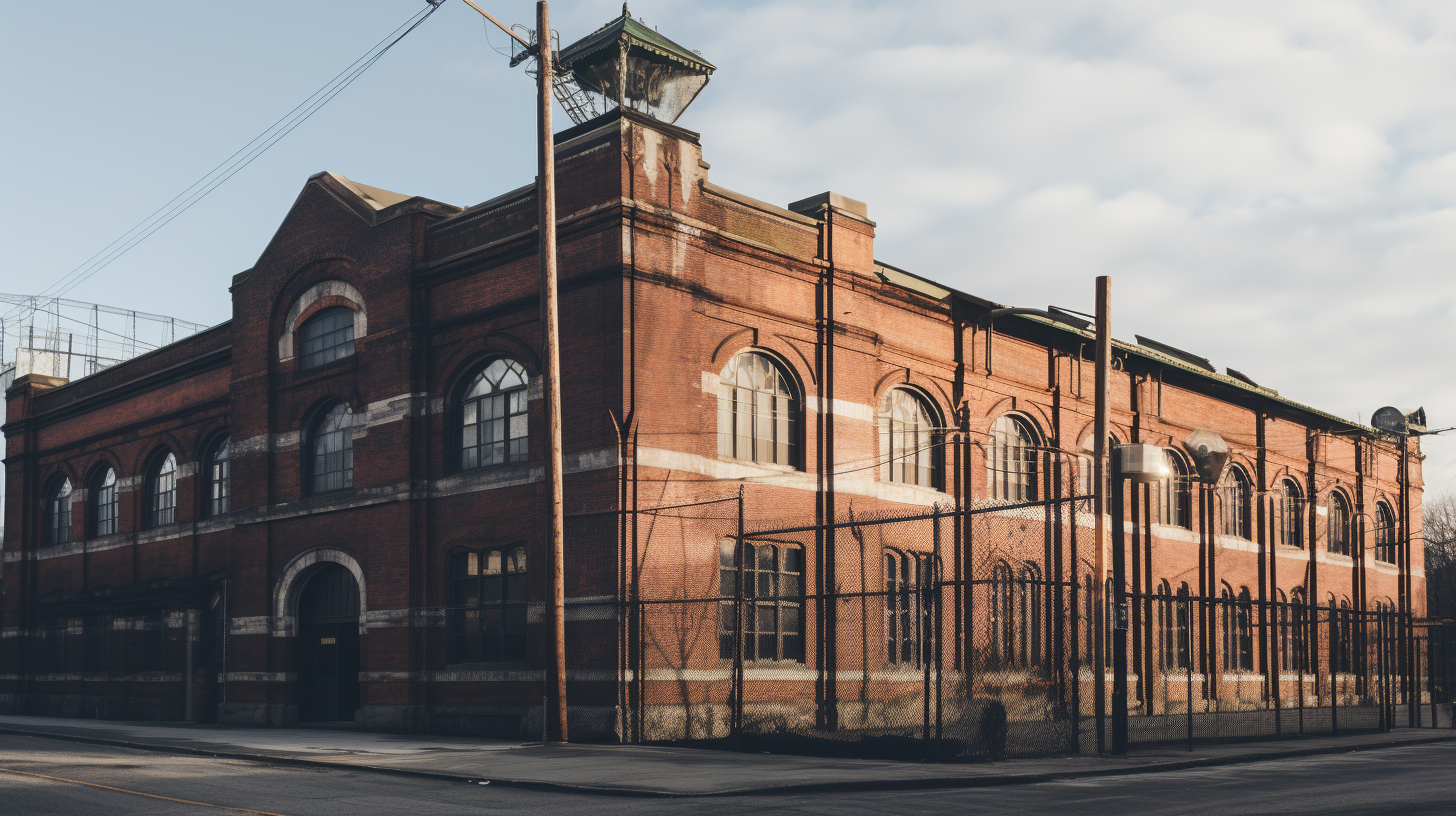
{"points": [[636, 34]]}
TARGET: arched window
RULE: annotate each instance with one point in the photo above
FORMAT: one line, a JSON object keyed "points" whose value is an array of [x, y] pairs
{"points": [[327, 336], [1185, 627], [1385, 533], [1238, 632], [1291, 514], [491, 594], [1029, 600], [758, 411], [1298, 625], [773, 601], [493, 416], [331, 450], [1167, 639], [1236, 496], [1338, 524], [1175, 499], [162, 490], [908, 433], [1002, 620], [218, 468], [1282, 630], [58, 511], [1011, 459], [103, 502], [907, 610], [1342, 651]]}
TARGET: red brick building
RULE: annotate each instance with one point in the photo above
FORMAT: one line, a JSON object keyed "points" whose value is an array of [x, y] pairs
{"points": [[331, 506]]}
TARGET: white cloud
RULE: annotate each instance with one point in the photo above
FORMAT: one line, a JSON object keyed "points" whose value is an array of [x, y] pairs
{"points": [[1269, 184]]}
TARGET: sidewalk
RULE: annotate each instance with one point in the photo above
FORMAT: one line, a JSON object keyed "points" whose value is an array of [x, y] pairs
{"points": [[651, 771]]}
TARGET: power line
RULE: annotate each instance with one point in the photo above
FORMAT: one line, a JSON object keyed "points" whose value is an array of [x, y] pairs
{"points": [[240, 159]]}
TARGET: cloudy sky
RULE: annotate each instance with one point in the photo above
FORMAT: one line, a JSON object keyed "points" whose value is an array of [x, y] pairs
{"points": [[1269, 184]]}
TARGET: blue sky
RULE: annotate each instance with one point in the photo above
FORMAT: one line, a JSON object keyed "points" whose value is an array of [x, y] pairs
{"points": [[1269, 184]]}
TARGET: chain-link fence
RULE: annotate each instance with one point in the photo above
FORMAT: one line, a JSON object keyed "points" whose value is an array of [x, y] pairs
{"points": [[978, 632]]}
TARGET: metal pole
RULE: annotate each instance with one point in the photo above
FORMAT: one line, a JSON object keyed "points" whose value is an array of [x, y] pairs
{"points": [[1119, 614], [546, 220], [1099, 497], [736, 714]]}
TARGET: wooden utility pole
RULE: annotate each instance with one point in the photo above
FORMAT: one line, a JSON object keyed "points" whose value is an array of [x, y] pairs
{"points": [[551, 340], [1099, 498], [555, 686]]}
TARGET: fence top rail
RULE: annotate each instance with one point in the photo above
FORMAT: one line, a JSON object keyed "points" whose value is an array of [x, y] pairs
{"points": [[949, 512]]}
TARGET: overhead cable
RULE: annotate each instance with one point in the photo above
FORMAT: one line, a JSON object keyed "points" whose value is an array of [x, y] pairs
{"points": [[229, 167]]}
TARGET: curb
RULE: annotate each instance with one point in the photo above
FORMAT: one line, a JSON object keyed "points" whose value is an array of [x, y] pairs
{"points": [[919, 783]]}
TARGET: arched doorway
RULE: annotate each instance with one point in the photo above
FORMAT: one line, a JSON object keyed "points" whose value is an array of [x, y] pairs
{"points": [[328, 645]]}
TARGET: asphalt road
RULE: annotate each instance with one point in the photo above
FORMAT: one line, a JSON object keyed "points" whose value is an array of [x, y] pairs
{"points": [[1418, 779]]}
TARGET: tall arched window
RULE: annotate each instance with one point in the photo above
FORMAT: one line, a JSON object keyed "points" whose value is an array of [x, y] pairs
{"points": [[1338, 524], [162, 490], [1029, 600], [1236, 495], [493, 416], [1283, 630], [1175, 499], [1385, 533], [1011, 459], [1291, 514], [908, 432], [331, 450], [490, 599], [58, 511], [907, 610], [1167, 631], [104, 502], [1002, 620], [1298, 625], [327, 336], [1238, 630], [758, 411], [1185, 627], [218, 469]]}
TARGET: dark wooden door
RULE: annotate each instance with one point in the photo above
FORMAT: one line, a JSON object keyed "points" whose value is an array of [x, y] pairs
{"points": [[328, 646]]}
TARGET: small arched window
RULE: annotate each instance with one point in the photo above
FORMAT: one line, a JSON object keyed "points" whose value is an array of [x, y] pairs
{"points": [[103, 503], [1175, 495], [218, 469], [162, 490], [58, 511], [1011, 459], [1385, 533], [327, 336], [493, 416], [1291, 527], [1338, 524], [1236, 495], [908, 432], [331, 450], [489, 615], [758, 410]]}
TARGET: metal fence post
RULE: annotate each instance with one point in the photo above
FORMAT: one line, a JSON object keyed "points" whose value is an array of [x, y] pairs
{"points": [[740, 552]]}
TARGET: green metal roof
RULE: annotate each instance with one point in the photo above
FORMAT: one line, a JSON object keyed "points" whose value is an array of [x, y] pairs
{"points": [[636, 34]]}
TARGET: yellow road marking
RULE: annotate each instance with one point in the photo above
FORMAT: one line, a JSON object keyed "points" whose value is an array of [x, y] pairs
{"points": [[139, 793]]}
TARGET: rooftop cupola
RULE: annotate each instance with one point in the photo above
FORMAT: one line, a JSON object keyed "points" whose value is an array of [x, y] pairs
{"points": [[629, 65]]}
